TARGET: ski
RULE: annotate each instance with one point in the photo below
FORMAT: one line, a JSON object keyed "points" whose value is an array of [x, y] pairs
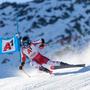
{"points": [[64, 65]]}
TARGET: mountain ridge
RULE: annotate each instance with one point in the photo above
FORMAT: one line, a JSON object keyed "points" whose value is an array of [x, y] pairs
{"points": [[60, 23]]}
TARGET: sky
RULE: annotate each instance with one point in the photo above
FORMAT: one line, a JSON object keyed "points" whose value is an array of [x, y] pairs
{"points": [[19, 1]]}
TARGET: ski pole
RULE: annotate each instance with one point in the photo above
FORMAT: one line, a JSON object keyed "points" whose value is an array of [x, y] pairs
{"points": [[26, 73]]}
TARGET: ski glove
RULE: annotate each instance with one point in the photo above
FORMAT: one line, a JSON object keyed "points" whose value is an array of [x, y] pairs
{"points": [[43, 41], [41, 46], [21, 66]]}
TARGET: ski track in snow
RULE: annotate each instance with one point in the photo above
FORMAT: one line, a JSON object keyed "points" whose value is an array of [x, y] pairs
{"points": [[43, 81]]}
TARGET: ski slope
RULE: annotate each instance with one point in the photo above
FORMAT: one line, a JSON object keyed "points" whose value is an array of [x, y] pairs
{"points": [[62, 79], [63, 15], [71, 80]]}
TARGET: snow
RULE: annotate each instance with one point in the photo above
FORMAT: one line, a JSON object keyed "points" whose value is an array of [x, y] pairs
{"points": [[63, 79], [18, 1], [11, 78], [75, 80]]}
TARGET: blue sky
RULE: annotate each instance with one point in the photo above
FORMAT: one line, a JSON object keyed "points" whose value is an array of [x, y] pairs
{"points": [[19, 1]]}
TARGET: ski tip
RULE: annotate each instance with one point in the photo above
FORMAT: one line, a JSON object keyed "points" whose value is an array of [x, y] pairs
{"points": [[83, 65]]}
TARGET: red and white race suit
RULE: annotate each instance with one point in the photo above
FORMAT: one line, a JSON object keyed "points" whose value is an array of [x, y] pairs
{"points": [[37, 59]]}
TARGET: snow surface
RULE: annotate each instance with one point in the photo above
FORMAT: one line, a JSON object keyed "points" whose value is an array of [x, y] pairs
{"points": [[64, 79]]}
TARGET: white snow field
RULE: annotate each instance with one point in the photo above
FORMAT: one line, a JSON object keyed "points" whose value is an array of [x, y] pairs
{"points": [[62, 79], [76, 80]]}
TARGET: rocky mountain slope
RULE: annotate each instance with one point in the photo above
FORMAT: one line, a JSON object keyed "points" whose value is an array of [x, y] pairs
{"points": [[59, 22]]}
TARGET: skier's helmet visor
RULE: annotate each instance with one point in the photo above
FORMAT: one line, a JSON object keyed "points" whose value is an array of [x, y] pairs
{"points": [[25, 41]]}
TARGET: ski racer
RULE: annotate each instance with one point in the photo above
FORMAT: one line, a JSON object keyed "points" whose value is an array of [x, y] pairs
{"points": [[29, 49]]}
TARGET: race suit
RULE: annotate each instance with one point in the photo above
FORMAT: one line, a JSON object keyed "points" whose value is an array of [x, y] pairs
{"points": [[37, 58]]}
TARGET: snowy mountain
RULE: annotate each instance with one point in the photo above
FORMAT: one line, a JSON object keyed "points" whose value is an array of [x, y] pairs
{"points": [[58, 21], [64, 24]]}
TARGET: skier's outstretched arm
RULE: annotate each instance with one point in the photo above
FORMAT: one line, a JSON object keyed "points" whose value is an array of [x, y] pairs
{"points": [[41, 43], [23, 57]]}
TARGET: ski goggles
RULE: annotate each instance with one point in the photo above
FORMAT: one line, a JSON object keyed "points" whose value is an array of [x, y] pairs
{"points": [[25, 43]]}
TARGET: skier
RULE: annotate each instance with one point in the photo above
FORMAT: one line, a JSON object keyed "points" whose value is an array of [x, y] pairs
{"points": [[37, 59]]}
